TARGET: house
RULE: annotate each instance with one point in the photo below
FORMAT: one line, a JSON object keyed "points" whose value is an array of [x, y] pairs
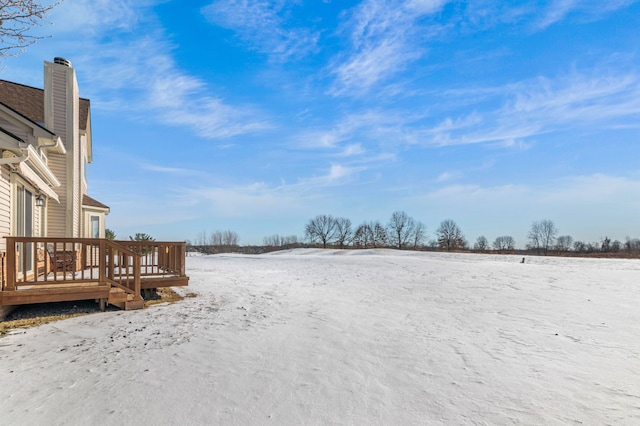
{"points": [[46, 212], [45, 142]]}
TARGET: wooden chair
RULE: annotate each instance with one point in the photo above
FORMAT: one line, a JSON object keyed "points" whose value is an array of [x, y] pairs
{"points": [[62, 261]]}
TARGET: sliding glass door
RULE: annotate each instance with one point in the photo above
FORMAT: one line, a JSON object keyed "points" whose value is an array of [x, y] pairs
{"points": [[24, 226]]}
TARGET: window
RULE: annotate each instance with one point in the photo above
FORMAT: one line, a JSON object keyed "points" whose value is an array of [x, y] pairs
{"points": [[95, 226]]}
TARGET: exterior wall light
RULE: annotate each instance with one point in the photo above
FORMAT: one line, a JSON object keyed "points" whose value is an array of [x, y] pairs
{"points": [[40, 201]]}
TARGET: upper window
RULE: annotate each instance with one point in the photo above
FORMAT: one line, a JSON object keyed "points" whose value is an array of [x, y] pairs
{"points": [[95, 226]]}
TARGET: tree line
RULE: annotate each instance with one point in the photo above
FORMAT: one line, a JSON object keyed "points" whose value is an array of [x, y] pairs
{"points": [[402, 232], [215, 242]]}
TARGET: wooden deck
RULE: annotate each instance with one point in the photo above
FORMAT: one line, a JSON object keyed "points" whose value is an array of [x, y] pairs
{"points": [[42, 270]]}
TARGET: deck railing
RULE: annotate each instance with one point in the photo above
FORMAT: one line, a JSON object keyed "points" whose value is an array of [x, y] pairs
{"points": [[36, 262], [159, 259]]}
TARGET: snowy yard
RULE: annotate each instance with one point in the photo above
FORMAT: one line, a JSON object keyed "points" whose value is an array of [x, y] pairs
{"points": [[323, 337]]}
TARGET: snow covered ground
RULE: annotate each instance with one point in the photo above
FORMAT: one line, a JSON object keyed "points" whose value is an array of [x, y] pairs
{"points": [[323, 337]]}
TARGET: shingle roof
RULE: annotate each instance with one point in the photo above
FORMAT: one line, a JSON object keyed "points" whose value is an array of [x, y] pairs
{"points": [[90, 202], [29, 102]]}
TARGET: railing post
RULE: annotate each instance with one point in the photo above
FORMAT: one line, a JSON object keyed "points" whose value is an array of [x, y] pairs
{"points": [[183, 259], [102, 261], [2, 268], [11, 264], [136, 277]]}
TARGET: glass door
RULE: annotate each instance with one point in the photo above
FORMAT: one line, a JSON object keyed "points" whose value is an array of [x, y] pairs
{"points": [[24, 227]]}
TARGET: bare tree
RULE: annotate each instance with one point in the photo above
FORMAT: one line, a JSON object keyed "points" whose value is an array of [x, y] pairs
{"points": [[481, 244], [370, 235], [344, 233], [272, 241], [201, 239], [215, 239], [321, 228], [289, 240], [401, 228], [564, 243], [276, 240], [504, 243], [542, 235], [593, 247], [449, 236], [419, 234], [616, 246], [632, 245], [230, 239], [17, 18], [363, 236], [380, 236]]}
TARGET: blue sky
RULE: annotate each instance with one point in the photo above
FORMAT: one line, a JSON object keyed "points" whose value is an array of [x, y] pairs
{"points": [[255, 116]]}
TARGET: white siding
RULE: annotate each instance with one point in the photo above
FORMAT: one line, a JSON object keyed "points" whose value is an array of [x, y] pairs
{"points": [[5, 206], [57, 213], [59, 104]]}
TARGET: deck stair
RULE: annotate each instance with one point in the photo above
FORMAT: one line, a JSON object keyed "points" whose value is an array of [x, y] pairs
{"points": [[124, 300]]}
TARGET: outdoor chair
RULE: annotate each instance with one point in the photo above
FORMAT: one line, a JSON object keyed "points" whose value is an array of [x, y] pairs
{"points": [[62, 261]]}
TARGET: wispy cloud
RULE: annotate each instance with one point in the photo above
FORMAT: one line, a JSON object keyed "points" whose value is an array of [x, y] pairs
{"points": [[383, 42], [141, 76], [447, 176], [263, 26], [510, 116], [558, 10], [336, 174], [536, 16], [94, 17], [168, 170], [239, 201], [542, 106], [360, 72], [381, 127], [284, 199], [351, 150]]}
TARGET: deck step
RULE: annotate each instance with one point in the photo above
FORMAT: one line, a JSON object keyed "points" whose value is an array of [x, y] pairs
{"points": [[131, 305], [117, 295], [124, 300]]}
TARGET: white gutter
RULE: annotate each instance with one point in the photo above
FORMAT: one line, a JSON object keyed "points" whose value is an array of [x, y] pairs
{"points": [[37, 181], [57, 145], [35, 159], [29, 174]]}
